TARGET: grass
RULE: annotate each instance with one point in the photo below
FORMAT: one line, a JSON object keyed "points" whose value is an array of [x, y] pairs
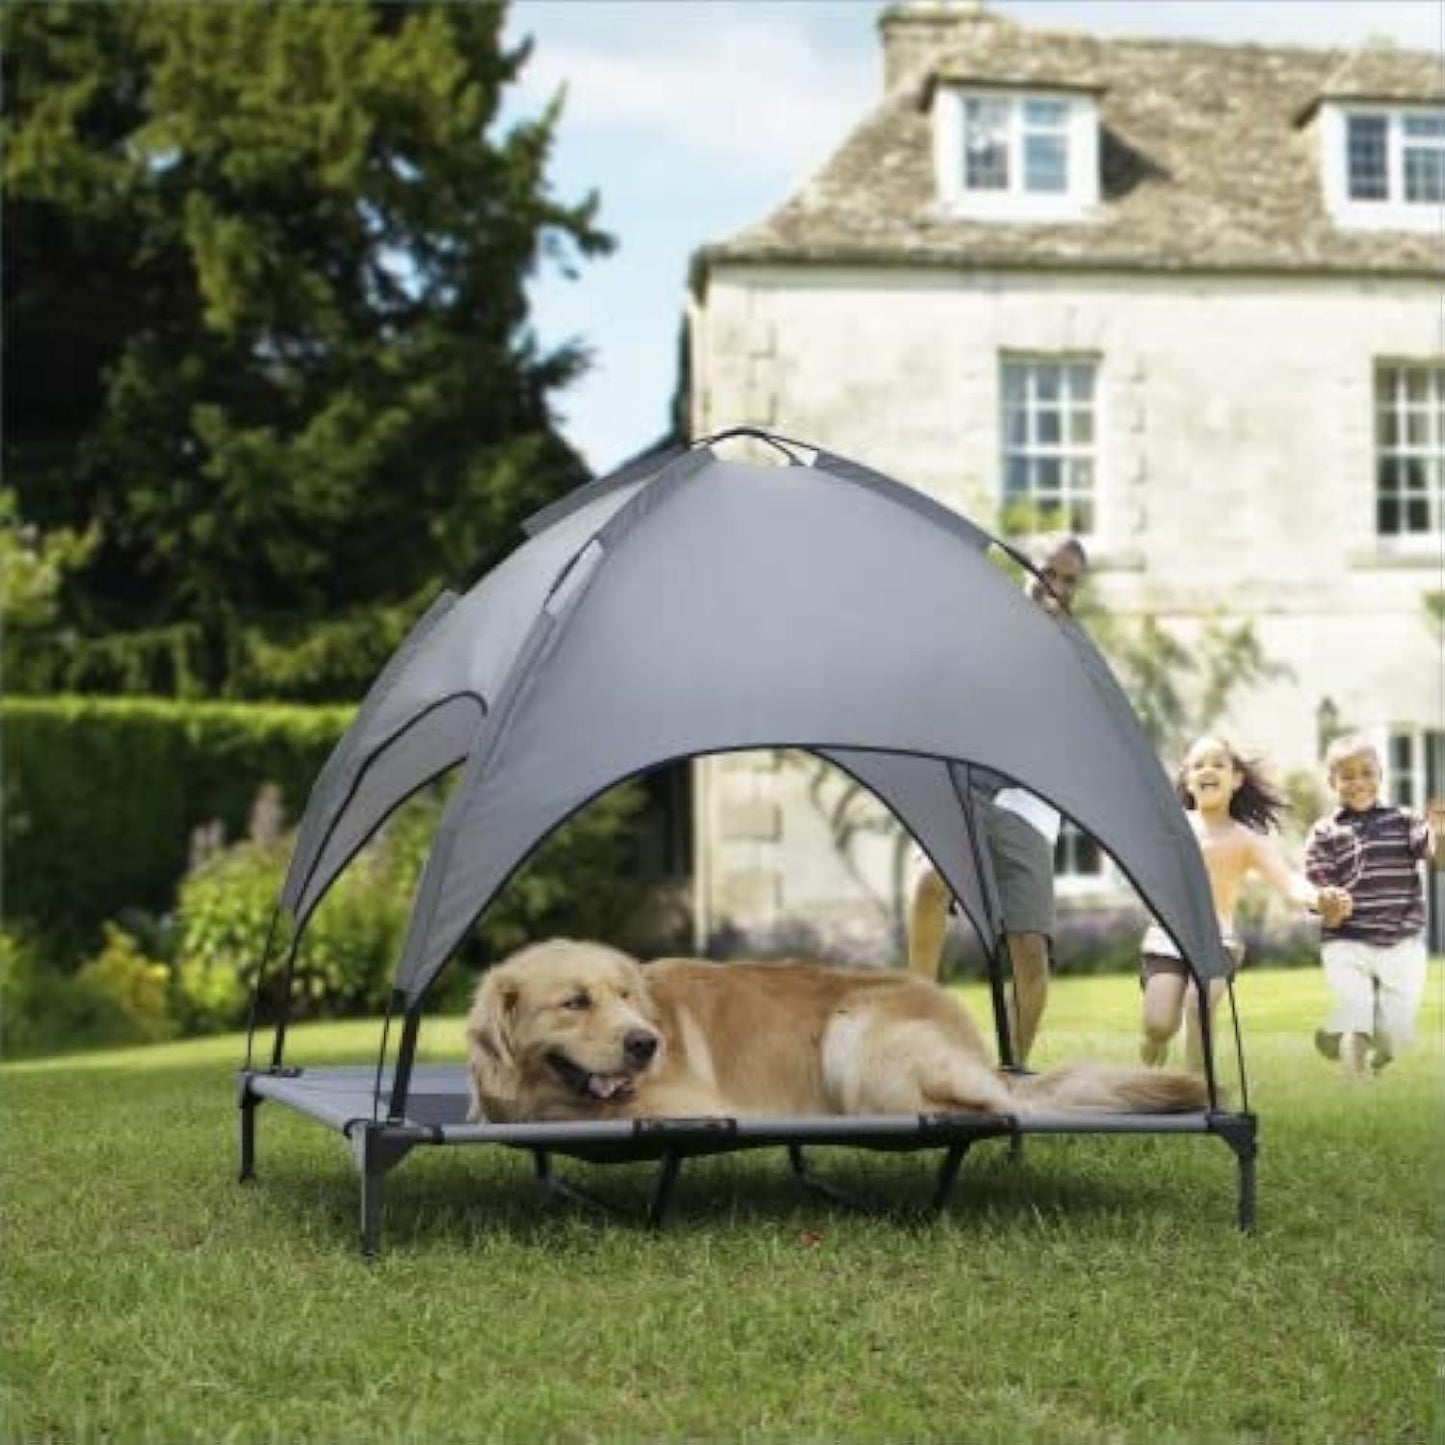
{"points": [[1096, 1291]]}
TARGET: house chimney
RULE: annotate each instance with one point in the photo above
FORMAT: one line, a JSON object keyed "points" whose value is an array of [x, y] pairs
{"points": [[915, 32]]}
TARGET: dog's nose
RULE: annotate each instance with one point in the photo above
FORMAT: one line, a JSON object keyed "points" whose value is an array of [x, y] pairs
{"points": [[639, 1046]]}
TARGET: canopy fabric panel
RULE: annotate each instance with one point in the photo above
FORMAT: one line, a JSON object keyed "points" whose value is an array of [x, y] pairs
{"points": [[721, 606], [421, 716], [934, 800]]}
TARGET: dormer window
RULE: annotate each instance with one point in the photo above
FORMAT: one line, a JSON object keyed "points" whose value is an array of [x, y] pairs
{"points": [[1384, 166], [1016, 145], [1023, 155]]}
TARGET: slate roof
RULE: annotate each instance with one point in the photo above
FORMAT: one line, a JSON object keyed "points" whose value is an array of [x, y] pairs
{"points": [[1209, 160]]}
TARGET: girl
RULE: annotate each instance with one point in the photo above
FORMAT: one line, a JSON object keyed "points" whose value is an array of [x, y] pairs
{"points": [[1231, 807]]}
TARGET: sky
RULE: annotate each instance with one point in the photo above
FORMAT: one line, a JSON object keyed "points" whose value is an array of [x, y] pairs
{"points": [[693, 119]]}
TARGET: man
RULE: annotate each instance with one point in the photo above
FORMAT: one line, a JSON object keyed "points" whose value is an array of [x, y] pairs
{"points": [[1021, 830]]}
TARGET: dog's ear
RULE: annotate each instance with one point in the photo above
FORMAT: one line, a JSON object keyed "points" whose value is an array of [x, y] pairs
{"points": [[490, 1042]]}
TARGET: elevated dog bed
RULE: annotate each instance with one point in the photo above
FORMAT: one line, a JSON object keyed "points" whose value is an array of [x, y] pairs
{"points": [[434, 1112], [690, 605]]}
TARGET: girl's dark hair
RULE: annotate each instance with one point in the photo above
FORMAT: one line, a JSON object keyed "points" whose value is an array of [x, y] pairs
{"points": [[1256, 802]]}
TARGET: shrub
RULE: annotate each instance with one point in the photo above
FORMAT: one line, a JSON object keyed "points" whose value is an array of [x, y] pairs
{"points": [[137, 987], [101, 795], [43, 1011], [576, 883], [1088, 941], [343, 965]]}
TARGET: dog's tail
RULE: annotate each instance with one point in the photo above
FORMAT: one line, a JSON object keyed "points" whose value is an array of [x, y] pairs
{"points": [[1109, 1089]]}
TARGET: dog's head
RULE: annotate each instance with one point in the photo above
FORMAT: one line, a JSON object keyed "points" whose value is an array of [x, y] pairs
{"points": [[561, 1030]]}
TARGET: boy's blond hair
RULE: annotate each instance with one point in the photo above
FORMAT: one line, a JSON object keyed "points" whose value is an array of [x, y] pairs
{"points": [[1352, 745]]}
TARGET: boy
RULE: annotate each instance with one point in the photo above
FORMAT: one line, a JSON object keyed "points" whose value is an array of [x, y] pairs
{"points": [[1374, 958]]}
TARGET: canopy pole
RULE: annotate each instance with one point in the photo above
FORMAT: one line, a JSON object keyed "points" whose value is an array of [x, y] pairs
{"points": [[256, 987], [284, 1016], [405, 1058], [1238, 1048], [993, 945], [1206, 1039]]}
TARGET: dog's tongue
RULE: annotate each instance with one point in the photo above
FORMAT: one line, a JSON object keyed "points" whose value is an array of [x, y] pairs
{"points": [[604, 1086]]}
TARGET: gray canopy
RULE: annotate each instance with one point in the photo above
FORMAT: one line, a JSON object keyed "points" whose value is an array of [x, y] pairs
{"points": [[693, 605]]}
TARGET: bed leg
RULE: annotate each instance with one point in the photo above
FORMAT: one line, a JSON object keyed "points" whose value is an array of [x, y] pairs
{"points": [[947, 1173], [371, 1207], [1240, 1132], [1246, 1192], [377, 1153], [662, 1190], [246, 1117], [822, 1187]]}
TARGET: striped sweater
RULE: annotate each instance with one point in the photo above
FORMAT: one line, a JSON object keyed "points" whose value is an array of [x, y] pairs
{"points": [[1375, 855]]}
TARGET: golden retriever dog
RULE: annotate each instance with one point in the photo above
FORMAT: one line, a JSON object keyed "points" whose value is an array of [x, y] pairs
{"points": [[569, 1030]]}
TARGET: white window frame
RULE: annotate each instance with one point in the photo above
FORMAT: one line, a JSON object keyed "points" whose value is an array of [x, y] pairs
{"points": [[1066, 449], [1013, 202], [1430, 453], [1070, 881], [1394, 212], [1408, 766]]}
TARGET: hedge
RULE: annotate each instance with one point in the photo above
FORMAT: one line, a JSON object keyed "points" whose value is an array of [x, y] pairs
{"points": [[101, 794]]}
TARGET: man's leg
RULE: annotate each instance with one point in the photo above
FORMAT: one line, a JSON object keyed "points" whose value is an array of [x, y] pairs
{"points": [[1029, 958], [927, 924]]}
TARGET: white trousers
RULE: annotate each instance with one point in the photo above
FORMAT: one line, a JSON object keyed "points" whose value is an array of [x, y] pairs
{"points": [[1377, 989]]}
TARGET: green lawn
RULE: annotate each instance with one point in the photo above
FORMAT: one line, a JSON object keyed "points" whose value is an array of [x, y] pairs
{"points": [[1095, 1291]]}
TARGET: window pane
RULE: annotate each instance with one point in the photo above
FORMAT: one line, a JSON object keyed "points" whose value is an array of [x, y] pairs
{"points": [[1045, 114], [1046, 164], [1081, 382], [1424, 174], [985, 145], [1402, 769], [1409, 450], [1366, 158], [1427, 123], [1048, 461]]}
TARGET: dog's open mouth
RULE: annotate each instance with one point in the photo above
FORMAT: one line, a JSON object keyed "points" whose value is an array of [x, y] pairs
{"points": [[593, 1086]]}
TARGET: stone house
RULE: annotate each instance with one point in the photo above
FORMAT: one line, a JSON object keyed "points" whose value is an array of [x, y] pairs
{"points": [[1186, 295]]}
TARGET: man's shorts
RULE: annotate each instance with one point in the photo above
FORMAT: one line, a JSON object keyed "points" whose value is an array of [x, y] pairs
{"points": [[1023, 867]]}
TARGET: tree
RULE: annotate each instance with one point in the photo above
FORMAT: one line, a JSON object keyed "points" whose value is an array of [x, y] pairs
{"points": [[267, 328], [1180, 688]]}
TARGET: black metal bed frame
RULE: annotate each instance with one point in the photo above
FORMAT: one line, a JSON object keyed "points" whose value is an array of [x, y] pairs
{"points": [[345, 1098]]}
